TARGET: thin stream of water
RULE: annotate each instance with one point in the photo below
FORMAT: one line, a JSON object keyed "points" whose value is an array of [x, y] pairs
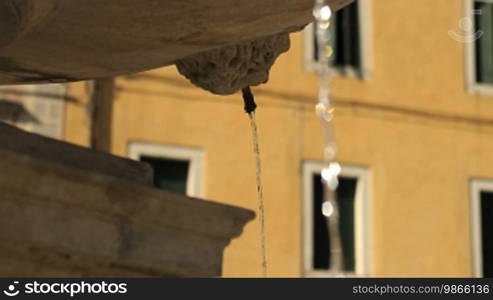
{"points": [[325, 110], [260, 192]]}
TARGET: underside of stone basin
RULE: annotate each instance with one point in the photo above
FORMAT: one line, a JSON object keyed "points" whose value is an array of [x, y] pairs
{"points": [[71, 40]]}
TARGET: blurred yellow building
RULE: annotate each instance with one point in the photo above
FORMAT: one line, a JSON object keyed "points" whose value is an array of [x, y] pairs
{"points": [[413, 90]]}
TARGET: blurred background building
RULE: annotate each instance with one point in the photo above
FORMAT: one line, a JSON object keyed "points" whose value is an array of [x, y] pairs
{"points": [[413, 89]]}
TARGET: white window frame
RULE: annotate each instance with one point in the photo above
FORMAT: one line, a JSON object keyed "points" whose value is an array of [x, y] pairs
{"points": [[362, 217], [45, 102], [195, 157], [365, 31], [472, 85], [477, 186]]}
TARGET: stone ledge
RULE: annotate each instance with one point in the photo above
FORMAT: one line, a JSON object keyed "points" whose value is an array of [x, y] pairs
{"points": [[48, 149], [70, 221]]}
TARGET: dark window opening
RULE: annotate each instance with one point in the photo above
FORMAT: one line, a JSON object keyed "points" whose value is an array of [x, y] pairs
{"points": [[487, 233], [321, 242], [170, 175], [484, 45], [345, 38]]}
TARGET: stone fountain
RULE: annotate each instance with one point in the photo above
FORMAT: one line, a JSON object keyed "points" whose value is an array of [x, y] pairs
{"points": [[70, 211]]}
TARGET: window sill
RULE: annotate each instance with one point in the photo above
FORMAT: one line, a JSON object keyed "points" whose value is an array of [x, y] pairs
{"points": [[326, 274], [481, 89], [344, 71]]}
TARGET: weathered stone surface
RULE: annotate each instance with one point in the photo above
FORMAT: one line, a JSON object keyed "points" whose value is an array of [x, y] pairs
{"points": [[226, 70], [62, 221], [10, 111], [68, 40], [39, 147]]}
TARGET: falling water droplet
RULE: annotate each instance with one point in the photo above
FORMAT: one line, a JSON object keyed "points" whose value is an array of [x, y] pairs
{"points": [[325, 13], [327, 209], [322, 13], [330, 151], [330, 175], [324, 112]]}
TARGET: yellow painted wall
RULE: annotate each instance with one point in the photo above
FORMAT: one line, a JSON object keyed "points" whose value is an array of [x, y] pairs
{"points": [[411, 122]]}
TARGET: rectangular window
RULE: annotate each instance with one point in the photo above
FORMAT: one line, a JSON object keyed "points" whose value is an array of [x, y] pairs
{"points": [[35, 108], [321, 242], [483, 13], [169, 174], [176, 169], [482, 227], [346, 38], [487, 233], [352, 198]]}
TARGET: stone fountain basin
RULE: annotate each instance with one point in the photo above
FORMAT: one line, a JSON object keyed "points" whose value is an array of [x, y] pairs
{"points": [[69, 40], [59, 217]]}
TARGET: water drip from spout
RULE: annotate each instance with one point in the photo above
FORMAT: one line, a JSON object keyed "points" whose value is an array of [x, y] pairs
{"points": [[250, 107]]}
